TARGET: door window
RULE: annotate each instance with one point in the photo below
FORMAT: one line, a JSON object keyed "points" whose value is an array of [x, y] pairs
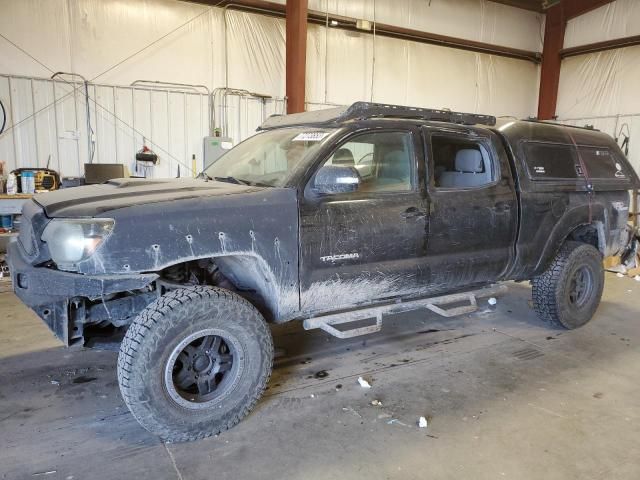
{"points": [[460, 162], [371, 162]]}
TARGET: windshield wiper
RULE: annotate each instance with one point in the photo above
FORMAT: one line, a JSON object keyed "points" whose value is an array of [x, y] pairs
{"points": [[235, 180]]}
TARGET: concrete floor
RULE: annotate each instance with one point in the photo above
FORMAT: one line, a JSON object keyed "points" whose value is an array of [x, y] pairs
{"points": [[505, 395]]}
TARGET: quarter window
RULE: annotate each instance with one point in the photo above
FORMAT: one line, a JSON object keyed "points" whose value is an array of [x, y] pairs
{"points": [[600, 163], [560, 161], [551, 160]]}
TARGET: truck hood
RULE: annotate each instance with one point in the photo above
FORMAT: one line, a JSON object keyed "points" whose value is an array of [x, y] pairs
{"points": [[92, 200]]}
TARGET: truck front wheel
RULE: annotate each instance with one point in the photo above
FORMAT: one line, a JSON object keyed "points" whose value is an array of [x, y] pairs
{"points": [[194, 363], [568, 293]]}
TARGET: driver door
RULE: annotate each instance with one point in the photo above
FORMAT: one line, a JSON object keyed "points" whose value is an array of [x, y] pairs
{"points": [[365, 245]]}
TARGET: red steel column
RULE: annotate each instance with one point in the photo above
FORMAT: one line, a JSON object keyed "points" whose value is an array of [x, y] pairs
{"points": [[550, 72], [296, 54], [555, 26]]}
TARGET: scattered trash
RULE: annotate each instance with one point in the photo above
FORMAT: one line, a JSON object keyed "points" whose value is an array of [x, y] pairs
{"points": [[492, 301], [395, 421], [351, 410], [619, 275], [637, 278], [363, 383], [376, 403], [422, 422], [38, 474], [321, 374], [55, 382], [338, 387], [312, 396]]}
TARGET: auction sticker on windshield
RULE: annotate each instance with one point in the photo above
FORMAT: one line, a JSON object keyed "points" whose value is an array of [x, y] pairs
{"points": [[310, 136]]}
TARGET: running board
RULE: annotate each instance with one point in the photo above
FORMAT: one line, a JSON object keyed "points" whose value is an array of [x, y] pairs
{"points": [[435, 304]]}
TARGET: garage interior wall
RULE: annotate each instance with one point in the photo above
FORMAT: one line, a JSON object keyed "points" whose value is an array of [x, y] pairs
{"points": [[600, 89], [113, 43]]}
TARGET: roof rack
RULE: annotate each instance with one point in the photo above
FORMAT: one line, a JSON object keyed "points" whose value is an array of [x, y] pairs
{"points": [[547, 122], [366, 110]]}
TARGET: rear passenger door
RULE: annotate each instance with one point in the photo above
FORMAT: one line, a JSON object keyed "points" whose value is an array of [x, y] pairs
{"points": [[473, 214]]}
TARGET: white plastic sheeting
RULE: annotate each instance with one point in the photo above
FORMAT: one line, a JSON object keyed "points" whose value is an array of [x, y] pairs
{"points": [[115, 42], [477, 20], [600, 88], [615, 20], [340, 71]]}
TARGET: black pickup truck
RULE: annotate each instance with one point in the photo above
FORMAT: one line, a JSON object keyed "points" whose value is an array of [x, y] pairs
{"points": [[326, 217]]}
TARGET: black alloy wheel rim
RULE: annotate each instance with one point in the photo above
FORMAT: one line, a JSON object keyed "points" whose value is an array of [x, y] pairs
{"points": [[201, 369], [581, 286]]}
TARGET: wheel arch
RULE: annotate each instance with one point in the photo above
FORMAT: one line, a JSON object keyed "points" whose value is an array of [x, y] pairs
{"points": [[271, 289], [575, 225]]}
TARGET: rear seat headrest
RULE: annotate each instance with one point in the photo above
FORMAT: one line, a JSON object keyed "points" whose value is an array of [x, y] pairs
{"points": [[469, 161]]}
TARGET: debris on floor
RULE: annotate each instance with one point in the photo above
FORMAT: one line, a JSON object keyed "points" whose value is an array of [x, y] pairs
{"points": [[492, 301], [363, 383], [395, 421], [422, 422], [376, 403], [351, 410], [628, 262]]}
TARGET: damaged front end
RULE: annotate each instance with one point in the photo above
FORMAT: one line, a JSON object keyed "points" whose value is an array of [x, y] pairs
{"points": [[69, 302], [43, 262], [88, 263]]}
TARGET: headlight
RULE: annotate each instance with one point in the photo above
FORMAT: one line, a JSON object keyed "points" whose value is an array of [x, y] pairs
{"points": [[72, 241]]}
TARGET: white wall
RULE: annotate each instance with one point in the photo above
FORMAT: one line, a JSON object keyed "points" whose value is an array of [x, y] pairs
{"points": [[100, 40], [416, 74], [600, 89]]}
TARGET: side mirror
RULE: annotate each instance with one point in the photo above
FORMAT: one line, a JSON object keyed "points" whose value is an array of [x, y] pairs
{"points": [[336, 179]]}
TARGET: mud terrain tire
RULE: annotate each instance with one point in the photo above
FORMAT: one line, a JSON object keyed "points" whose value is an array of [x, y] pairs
{"points": [[568, 293], [169, 336]]}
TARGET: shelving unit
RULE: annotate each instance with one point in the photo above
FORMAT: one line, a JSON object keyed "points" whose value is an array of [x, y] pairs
{"points": [[11, 205]]}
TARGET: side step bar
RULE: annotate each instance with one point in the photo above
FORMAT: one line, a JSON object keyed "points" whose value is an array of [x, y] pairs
{"points": [[435, 304]]}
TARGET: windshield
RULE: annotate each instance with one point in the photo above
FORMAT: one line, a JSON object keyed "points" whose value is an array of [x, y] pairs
{"points": [[268, 158]]}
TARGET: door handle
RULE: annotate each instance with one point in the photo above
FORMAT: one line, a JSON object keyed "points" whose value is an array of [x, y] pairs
{"points": [[501, 207], [413, 212]]}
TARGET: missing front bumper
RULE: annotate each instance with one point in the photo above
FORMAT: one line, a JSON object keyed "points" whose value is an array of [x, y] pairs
{"points": [[50, 293]]}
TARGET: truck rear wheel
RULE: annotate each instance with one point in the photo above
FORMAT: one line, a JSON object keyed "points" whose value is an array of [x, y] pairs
{"points": [[568, 293], [194, 363]]}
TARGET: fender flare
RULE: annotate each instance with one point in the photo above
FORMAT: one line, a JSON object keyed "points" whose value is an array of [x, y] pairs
{"points": [[568, 223]]}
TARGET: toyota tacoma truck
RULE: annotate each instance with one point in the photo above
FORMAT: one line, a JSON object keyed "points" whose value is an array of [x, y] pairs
{"points": [[328, 217]]}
